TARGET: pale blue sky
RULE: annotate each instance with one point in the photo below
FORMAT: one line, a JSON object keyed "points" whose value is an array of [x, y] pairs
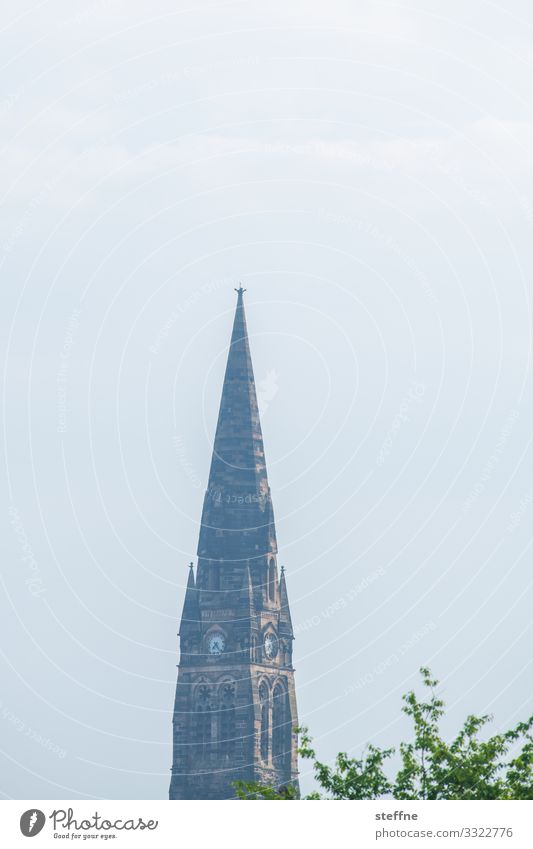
{"points": [[365, 169]]}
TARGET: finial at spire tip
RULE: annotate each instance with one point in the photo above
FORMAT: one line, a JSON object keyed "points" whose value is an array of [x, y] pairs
{"points": [[191, 565], [240, 291]]}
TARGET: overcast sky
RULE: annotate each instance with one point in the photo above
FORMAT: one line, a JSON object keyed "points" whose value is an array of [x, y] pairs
{"points": [[365, 169]]}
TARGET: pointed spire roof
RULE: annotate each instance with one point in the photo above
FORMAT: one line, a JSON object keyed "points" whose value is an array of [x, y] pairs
{"points": [[238, 519], [190, 618], [238, 454], [285, 621]]}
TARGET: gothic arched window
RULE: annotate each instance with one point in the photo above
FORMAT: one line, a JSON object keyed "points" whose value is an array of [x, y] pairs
{"points": [[203, 735], [203, 729], [281, 724], [227, 727], [264, 701]]}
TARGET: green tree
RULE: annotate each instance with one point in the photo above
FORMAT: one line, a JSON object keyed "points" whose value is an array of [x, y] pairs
{"points": [[472, 766], [247, 791]]}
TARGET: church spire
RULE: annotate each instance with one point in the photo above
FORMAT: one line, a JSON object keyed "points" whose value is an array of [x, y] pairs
{"points": [[190, 619], [235, 707], [237, 519], [285, 621]]}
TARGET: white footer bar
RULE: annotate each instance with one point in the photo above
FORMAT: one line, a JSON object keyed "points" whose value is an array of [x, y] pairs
{"points": [[311, 825]]}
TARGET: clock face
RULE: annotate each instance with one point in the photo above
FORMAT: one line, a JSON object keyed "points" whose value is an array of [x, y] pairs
{"points": [[217, 643], [271, 646]]}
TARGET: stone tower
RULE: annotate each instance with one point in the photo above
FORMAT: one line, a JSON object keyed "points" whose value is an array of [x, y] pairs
{"points": [[235, 709]]}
